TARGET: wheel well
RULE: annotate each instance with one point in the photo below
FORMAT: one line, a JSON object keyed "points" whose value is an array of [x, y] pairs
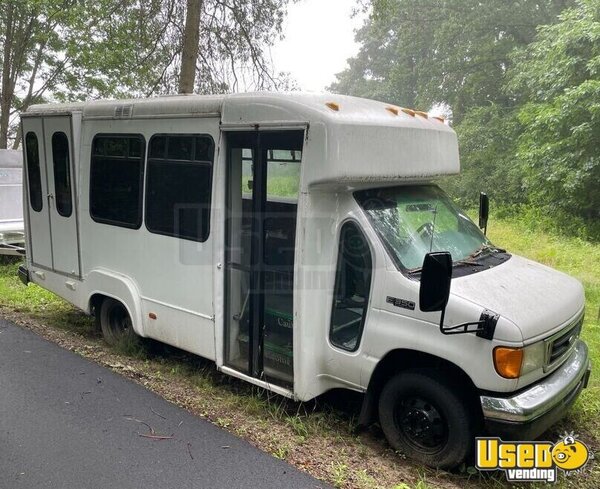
{"points": [[95, 302], [399, 360]]}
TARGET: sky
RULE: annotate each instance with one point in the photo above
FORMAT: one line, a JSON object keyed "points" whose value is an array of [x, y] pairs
{"points": [[319, 38]]}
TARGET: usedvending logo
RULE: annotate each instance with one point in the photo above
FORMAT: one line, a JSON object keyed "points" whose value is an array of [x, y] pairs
{"points": [[532, 461]]}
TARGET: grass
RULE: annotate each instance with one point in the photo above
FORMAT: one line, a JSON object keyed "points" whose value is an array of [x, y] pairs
{"points": [[580, 259], [318, 437], [38, 303]]}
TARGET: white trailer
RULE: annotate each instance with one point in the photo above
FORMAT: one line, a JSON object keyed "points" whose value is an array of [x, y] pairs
{"points": [[297, 241], [11, 203]]}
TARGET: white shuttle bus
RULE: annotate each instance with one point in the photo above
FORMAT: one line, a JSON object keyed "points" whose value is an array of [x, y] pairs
{"points": [[298, 241], [11, 203]]}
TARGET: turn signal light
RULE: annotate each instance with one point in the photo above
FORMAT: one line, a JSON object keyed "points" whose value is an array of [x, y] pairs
{"points": [[333, 106], [508, 361]]}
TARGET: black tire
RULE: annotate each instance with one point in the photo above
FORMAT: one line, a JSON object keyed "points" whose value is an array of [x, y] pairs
{"points": [[115, 322], [425, 416]]}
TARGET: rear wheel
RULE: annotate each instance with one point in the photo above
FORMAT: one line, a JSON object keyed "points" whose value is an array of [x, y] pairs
{"points": [[115, 322], [425, 416]]}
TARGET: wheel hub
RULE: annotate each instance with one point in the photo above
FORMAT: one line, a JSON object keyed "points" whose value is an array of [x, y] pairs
{"points": [[422, 424]]}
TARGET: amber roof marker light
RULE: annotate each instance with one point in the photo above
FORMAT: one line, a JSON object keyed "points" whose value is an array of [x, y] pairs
{"points": [[333, 106]]}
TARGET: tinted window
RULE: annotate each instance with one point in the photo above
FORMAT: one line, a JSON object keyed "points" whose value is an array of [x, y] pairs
{"points": [[34, 178], [179, 183], [352, 287], [62, 174], [116, 177]]}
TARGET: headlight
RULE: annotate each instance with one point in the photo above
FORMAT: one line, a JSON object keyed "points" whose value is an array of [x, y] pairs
{"points": [[511, 363], [533, 357]]}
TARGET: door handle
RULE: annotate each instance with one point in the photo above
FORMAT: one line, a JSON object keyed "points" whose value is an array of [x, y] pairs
{"points": [[50, 198]]}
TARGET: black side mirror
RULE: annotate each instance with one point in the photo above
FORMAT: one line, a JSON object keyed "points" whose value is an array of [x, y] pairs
{"points": [[484, 211], [436, 276]]}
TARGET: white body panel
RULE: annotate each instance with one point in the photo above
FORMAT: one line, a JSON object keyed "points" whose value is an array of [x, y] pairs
{"points": [[543, 293], [11, 200], [172, 277], [11, 191]]}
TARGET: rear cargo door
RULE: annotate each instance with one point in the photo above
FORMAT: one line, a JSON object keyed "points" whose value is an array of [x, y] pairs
{"points": [[62, 193], [36, 192], [51, 193]]}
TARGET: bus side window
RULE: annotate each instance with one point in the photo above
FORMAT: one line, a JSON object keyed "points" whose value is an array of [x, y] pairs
{"points": [[62, 174], [352, 288], [33, 171], [179, 185], [116, 179]]}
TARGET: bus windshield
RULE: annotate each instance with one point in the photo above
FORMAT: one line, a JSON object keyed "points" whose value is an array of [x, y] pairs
{"points": [[414, 220]]}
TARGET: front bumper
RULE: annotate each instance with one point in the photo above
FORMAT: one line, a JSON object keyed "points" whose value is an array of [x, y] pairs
{"points": [[527, 414], [12, 243]]}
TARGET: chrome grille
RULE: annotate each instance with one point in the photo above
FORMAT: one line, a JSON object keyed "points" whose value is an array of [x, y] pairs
{"points": [[560, 345]]}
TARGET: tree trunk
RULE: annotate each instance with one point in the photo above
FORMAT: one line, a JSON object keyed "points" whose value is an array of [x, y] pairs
{"points": [[7, 86], [189, 52], [17, 141]]}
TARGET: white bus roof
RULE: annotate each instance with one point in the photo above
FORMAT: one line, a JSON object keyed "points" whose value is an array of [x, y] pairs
{"points": [[242, 107], [363, 141]]}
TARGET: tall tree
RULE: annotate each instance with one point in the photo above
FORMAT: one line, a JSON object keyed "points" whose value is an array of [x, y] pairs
{"points": [[559, 77], [454, 52], [459, 53], [74, 49], [189, 50], [62, 50]]}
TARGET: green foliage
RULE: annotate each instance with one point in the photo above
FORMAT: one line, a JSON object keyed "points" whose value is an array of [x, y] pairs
{"points": [[455, 52], [560, 74], [522, 81], [487, 137], [40, 304], [555, 221], [67, 50]]}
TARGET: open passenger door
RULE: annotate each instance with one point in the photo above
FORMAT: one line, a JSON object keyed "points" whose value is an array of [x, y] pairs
{"points": [[262, 180]]}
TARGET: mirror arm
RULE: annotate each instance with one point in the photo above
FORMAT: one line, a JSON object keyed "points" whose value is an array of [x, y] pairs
{"points": [[486, 326], [484, 210]]}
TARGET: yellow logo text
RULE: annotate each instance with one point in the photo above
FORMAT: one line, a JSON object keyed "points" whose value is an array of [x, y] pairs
{"points": [[531, 461]]}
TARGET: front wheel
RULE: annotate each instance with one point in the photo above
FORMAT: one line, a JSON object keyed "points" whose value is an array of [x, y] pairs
{"points": [[115, 322], [424, 416]]}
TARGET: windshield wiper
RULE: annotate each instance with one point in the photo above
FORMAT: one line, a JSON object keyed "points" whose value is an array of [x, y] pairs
{"points": [[469, 260], [464, 263], [483, 249], [467, 263]]}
